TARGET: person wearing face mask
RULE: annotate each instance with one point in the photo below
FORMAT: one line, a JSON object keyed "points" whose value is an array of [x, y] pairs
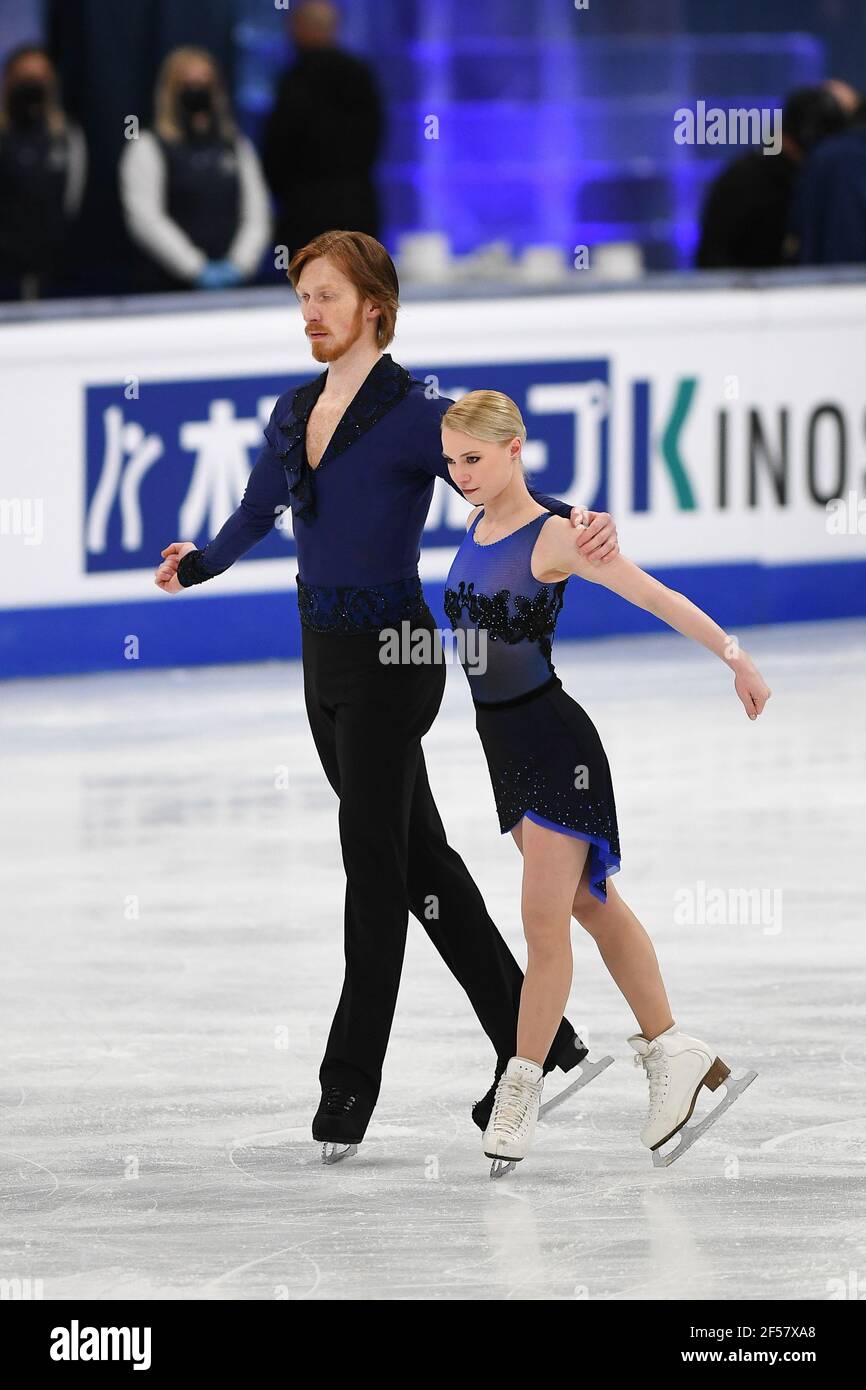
{"points": [[43, 163], [193, 196]]}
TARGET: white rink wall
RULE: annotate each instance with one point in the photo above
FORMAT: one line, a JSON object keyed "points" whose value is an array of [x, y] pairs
{"points": [[719, 424]]}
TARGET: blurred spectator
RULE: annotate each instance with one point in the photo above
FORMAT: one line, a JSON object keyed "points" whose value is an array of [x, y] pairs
{"points": [[747, 211], [192, 190], [829, 215], [43, 164], [324, 135]]}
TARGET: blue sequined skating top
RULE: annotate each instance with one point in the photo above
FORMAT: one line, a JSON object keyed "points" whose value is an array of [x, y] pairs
{"points": [[506, 616]]}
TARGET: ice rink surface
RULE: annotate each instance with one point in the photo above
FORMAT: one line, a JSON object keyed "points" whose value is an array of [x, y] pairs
{"points": [[172, 897]]}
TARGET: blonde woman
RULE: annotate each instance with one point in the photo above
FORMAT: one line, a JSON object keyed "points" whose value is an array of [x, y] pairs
{"points": [[193, 194], [550, 775]]}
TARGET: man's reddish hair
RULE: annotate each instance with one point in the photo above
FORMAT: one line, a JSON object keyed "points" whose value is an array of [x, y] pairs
{"points": [[364, 261]]}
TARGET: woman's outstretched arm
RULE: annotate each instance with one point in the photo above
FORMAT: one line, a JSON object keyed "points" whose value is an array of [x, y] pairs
{"points": [[555, 553]]}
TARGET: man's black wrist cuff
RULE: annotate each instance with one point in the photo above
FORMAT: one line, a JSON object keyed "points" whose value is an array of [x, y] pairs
{"points": [[191, 570]]}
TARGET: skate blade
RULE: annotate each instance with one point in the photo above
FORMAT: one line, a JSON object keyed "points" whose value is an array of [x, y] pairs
{"points": [[686, 1137], [587, 1071], [500, 1166], [333, 1153]]}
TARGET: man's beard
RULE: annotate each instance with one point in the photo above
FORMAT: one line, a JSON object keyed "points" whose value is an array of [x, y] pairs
{"points": [[330, 348]]}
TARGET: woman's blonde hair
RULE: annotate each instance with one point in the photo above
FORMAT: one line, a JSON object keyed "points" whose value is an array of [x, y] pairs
{"points": [[170, 79], [486, 415]]}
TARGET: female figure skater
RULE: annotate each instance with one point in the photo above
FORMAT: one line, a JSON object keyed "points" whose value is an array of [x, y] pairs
{"points": [[550, 775]]}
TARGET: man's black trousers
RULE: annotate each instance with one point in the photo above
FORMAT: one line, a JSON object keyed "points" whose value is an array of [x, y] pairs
{"points": [[367, 719]]}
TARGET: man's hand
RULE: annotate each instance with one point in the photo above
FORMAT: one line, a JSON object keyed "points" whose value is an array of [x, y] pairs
{"points": [[166, 576], [597, 540]]}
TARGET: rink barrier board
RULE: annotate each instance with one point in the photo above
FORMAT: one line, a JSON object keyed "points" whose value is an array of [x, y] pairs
{"points": [[716, 427], [254, 627]]}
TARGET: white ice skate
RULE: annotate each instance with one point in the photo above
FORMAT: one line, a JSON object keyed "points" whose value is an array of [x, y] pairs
{"points": [[677, 1066], [509, 1134]]}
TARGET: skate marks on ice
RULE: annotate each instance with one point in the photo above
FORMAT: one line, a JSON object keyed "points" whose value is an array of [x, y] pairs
{"points": [[225, 1285], [834, 1140], [24, 1181], [276, 1158]]}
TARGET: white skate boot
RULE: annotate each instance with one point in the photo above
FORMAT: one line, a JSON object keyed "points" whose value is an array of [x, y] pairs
{"points": [[510, 1132], [677, 1066]]}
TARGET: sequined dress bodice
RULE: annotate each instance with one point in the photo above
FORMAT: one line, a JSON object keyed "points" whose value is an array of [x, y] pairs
{"points": [[506, 616]]}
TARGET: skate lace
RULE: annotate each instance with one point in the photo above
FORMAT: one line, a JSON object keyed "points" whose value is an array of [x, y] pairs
{"points": [[338, 1099], [512, 1102], [654, 1064]]}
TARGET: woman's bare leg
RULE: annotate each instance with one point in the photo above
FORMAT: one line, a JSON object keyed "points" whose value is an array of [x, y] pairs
{"points": [[625, 948], [552, 865]]}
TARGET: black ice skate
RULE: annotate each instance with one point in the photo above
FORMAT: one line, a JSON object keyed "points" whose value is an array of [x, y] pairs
{"points": [[340, 1122]]}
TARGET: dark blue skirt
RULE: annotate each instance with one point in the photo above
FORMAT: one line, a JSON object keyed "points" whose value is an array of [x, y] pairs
{"points": [[547, 762]]}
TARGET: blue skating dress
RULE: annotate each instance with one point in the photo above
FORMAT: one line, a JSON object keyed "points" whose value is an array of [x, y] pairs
{"points": [[545, 757]]}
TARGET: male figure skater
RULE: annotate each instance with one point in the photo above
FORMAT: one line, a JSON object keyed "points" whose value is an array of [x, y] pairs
{"points": [[355, 453]]}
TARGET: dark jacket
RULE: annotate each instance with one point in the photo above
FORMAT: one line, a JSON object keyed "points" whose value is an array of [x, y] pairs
{"points": [[321, 142], [746, 213], [830, 208]]}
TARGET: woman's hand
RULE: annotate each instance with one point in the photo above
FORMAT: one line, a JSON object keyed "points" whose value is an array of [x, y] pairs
{"points": [[166, 576], [749, 685]]}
